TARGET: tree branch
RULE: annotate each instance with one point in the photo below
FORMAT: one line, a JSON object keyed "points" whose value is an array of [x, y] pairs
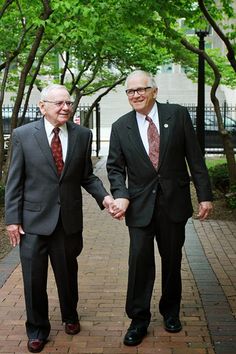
{"points": [[85, 68], [66, 66], [230, 54], [17, 50], [5, 6], [2, 92], [226, 138], [98, 99], [29, 62], [36, 71], [217, 75]]}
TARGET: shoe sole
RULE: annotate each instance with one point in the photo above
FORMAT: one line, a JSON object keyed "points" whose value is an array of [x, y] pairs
{"points": [[132, 344], [173, 330], [31, 350]]}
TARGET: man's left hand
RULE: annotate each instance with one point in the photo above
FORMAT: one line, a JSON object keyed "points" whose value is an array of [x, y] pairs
{"points": [[205, 209], [108, 202]]}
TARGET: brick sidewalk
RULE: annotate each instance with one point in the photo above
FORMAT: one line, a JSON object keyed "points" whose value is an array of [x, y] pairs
{"points": [[209, 293]]}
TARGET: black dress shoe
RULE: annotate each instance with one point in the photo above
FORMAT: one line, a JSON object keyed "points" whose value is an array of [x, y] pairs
{"points": [[172, 324], [36, 345], [135, 335], [72, 328]]}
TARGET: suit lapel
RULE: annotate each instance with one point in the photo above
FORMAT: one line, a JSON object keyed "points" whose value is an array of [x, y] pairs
{"points": [[134, 136], [165, 128], [41, 138], [72, 137], [42, 141]]}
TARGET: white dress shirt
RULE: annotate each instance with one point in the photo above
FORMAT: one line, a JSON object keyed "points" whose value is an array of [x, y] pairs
{"points": [[63, 135], [143, 125]]}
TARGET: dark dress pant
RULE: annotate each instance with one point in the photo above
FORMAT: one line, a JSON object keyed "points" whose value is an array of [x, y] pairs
{"points": [[170, 238], [35, 251]]}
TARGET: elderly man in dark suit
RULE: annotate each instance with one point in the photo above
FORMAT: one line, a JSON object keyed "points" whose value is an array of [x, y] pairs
{"points": [[51, 161], [152, 147]]}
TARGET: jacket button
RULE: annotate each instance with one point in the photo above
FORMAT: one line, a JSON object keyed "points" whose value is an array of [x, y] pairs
{"points": [[154, 191]]}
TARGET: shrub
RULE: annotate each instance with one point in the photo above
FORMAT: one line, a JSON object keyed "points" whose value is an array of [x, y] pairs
{"points": [[231, 197], [219, 176]]}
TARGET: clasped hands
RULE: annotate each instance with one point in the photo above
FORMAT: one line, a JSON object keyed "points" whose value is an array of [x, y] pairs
{"points": [[116, 207]]}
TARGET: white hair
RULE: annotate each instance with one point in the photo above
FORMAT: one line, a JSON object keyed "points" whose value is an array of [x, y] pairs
{"points": [[151, 79], [46, 90]]}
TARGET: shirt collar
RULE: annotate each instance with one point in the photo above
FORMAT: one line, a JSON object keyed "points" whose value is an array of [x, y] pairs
{"points": [[49, 127], [153, 114]]}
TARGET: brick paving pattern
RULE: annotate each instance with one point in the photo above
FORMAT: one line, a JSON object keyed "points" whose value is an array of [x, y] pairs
{"points": [[209, 293]]}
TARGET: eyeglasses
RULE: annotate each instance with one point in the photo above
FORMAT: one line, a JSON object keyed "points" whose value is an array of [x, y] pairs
{"points": [[140, 91], [60, 104]]}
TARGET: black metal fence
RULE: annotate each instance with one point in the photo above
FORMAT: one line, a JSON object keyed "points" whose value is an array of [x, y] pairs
{"points": [[213, 140], [33, 113]]}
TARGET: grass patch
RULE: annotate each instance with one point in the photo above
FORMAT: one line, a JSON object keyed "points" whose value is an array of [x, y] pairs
{"points": [[212, 162]]}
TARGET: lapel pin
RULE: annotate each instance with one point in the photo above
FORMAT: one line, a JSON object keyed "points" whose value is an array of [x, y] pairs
{"points": [[165, 125]]}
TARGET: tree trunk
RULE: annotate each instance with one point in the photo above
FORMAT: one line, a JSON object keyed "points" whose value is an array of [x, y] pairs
{"points": [[5, 6], [28, 65], [230, 55], [226, 138], [2, 93], [2, 151], [98, 99]]}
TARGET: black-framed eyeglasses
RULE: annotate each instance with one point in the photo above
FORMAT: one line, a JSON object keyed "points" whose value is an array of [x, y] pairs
{"points": [[60, 104], [140, 91]]}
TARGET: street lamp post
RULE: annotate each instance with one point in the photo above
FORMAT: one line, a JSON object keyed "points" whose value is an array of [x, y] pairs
{"points": [[200, 121]]}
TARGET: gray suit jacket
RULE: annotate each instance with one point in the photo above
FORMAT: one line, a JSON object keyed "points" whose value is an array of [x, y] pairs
{"points": [[178, 148], [35, 195]]}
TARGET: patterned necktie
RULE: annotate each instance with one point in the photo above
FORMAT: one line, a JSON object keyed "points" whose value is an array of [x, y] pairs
{"points": [[57, 150], [153, 141]]}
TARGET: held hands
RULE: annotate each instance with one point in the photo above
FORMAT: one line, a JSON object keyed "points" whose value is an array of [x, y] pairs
{"points": [[116, 208], [119, 208], [204, 210], [14, 233]]}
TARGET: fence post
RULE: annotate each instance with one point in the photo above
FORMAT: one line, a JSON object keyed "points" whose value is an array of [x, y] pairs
{"points": [[98, 129], [224, 115]]}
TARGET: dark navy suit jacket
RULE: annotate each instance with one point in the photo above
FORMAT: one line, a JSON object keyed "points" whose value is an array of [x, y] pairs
{"points": [[133, 176]]}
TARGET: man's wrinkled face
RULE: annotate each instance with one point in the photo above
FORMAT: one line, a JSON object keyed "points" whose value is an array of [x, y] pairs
{"points": [[143, 97], [57, 107]]}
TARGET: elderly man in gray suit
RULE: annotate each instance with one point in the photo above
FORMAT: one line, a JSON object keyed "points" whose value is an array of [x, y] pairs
{"points": [[44, 208], [150, 149]]}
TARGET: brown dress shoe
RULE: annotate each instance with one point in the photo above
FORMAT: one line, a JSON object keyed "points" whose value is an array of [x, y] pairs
{"points": [[36, 345], [72, 328]]}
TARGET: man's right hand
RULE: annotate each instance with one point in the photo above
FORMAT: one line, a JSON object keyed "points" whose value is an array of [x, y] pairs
{"points": [[14, 232], [119, 208]]}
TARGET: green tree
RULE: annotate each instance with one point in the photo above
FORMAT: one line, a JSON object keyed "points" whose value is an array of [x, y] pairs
{"points": [[95, 47], [219, 14], [165, 19], [19, 15], [98, 42]]}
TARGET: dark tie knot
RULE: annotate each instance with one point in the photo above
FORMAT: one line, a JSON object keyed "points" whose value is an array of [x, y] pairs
{"points": [[149, 119], [56, 131]]}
